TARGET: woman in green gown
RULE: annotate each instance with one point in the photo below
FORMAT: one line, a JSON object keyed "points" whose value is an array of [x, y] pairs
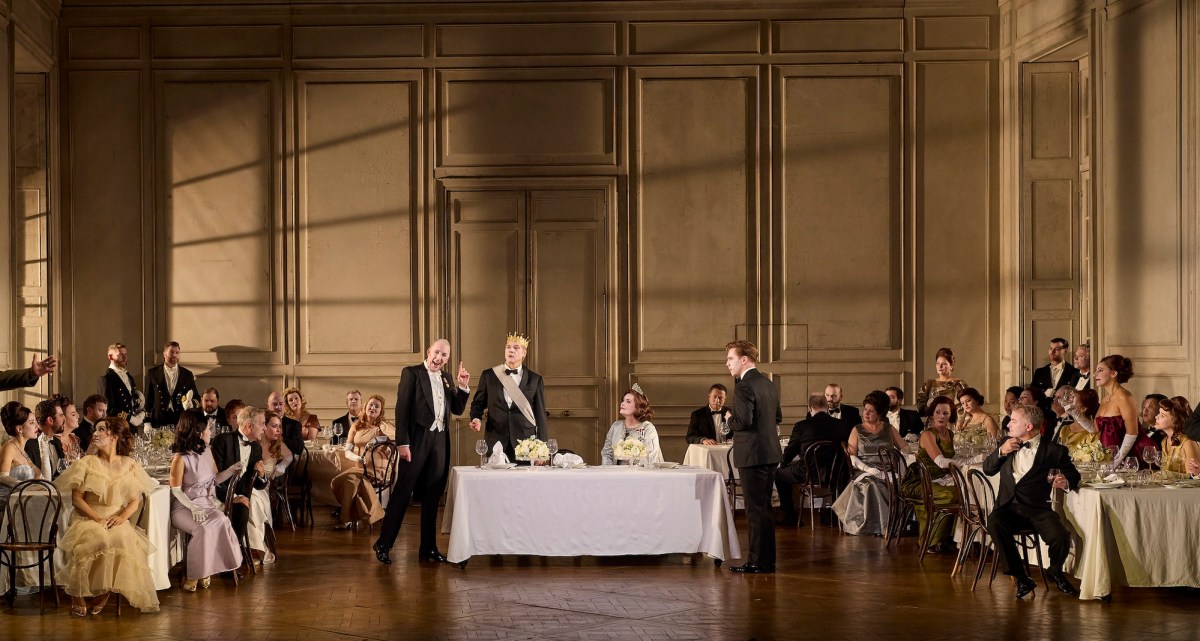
{"points": [[936, 450]]}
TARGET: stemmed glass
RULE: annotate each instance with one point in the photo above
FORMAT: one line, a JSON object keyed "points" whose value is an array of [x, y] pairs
{"points": [[1054, 472], [552, 445], [337, 433], [481, 449], [1152, 456]]}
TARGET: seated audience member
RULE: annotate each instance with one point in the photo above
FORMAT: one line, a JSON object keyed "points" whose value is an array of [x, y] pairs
{"points": [[634, 423], [1149, 415], [241, 452], [818, 426], [69, 438], [945, 384], [1012, 396], [902, 419], [1083, 366], [863, 507], [707, 425], [212, 546], [1178, 451], [1024, 461], [847, 414], [46, 450], [211, 411], [15, 465], [276, 457], [103, 552], [974, 419], [232, 408], [95, 408], [347, 420], [297, 408], [1081, 405], [355, 495], [935, 454], [293, 431]]}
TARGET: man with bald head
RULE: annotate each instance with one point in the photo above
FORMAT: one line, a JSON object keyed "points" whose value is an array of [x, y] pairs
{"points": [[425, 399], [293, 435]]}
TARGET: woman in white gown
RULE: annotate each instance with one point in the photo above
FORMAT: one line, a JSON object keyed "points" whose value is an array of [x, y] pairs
{"points": [[635, 422], [863, 505], [276, 458], [15, 466]]}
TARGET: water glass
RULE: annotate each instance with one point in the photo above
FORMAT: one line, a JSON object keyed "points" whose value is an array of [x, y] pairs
{"points": [[481, 449]]}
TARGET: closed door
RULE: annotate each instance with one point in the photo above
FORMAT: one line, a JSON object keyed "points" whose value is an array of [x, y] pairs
{"points": [[533, 261]]}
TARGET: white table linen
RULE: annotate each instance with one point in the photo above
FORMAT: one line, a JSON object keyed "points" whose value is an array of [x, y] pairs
{"points": [[598, 511]]}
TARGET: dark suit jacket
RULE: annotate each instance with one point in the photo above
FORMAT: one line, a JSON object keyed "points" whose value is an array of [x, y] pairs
{"points": [[818, 427], [293, 435], [850, 415], [219, 416], [346, 423], [756, 415], [1034, 489], [14, 378], [226, 452], [910, 422], [120, 399], [701, 426], [414, 409], [505, 425], [34, 453], [158, 397], [84, 433], [1041, 382], [1192, 427]]}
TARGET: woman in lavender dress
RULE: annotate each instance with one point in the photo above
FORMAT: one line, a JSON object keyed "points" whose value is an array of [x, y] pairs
{"points": [[213, 547]]}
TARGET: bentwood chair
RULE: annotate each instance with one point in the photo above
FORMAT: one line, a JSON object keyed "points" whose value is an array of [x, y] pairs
{"points": [[733, 484], [380, 466], [32, 516], [934, 514], [968, 514], [299, 488], [1026, 539], [900, 509], [825, 473]]}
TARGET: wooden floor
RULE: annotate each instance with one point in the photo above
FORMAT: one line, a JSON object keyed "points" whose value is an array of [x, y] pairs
{"points": [[327, 585]]}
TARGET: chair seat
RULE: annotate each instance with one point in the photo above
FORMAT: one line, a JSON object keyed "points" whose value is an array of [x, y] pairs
{"points": [[26, 547]]}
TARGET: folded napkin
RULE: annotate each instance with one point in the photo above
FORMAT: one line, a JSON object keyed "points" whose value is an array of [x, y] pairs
{"points": [[1113, 478], [498, 457], [567, 460]]}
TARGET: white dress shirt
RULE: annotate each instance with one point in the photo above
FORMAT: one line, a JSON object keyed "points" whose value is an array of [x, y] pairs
{"points": [[516, 379], [122, 374], [45, 450], [1055, 374], [893, 418], [1023, 458], [439, 400]]}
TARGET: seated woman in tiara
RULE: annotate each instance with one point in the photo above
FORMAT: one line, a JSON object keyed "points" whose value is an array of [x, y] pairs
{"points": [[634, 423]]}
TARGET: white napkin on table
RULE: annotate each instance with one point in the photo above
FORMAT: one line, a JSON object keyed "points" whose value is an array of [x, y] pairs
{"points": [[567, 460], [1113, 478], [498, 457]]}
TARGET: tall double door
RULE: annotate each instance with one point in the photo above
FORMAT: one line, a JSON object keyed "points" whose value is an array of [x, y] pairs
{"points": [[533, 259]]}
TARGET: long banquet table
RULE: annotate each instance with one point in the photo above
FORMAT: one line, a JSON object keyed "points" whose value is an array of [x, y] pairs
{"points": [[597, 511]]}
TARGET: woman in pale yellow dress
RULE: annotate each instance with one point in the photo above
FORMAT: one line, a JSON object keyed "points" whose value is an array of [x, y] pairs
{"points": [[1082, 406], [1178, 450], [103, 551], [354, 493], [973, 419]]}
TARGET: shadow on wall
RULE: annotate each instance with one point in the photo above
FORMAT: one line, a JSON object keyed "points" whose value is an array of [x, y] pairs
{"points": [[235, 378]]}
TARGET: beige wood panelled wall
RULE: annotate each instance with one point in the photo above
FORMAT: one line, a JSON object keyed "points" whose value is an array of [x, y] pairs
{"points": [[1136, 236], [309, 194]]}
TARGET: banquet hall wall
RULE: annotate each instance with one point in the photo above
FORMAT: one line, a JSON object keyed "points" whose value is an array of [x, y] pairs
{"points": [[309, 193]]}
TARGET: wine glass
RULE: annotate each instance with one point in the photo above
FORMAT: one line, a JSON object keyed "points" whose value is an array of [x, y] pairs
{"points": [[1054, 472], [337, 433], [481, 449], [552, 445], [1152, 456]]}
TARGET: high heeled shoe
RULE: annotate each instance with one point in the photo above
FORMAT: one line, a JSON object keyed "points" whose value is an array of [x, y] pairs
{"points": [[79, 610], [99, 605], [190, 585], [206, 582]]}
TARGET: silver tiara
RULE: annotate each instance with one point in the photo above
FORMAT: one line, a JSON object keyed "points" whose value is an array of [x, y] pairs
{"points": [[638, 388]]}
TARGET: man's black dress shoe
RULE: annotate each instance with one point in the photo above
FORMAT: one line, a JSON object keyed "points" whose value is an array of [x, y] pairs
{"points": [[381, 553], [432, 555], [1063, 583], [1025, 585], [750, 568]]}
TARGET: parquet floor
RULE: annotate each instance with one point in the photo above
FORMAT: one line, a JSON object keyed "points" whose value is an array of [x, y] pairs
{"points": [[327, 586]]}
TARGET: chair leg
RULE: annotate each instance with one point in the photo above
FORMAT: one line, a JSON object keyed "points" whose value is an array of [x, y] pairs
{"points": [[984, 551], [1037, 548], [54, 581]]}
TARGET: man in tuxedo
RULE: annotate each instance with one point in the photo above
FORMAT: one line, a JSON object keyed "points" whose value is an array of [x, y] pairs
{"points": [[46, 450], [1149, 413], [755, 420], [293, 434], [425, 400], [95, 408], [1057, 372], [118, 385], [1082, 362], [166, 387], [211, 410], [1024, 461], [16, 378], [1012, 396], [819, 426], [904, 421], [1060, 418], [345, 421], [240, 467], [707, 425], [514, 398], [847, 414]]}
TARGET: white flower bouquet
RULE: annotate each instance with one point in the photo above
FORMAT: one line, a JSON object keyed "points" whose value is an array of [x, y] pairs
{"points": [[1091, 452], [163, 439], [532, 449], [629, 449]]}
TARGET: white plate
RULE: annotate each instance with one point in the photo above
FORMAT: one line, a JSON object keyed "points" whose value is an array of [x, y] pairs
{"points": [[1183, 484], [665, 465], [1104, 485], [501, 466]]}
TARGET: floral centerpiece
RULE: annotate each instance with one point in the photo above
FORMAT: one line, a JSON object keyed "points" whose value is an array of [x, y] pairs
{"points": [[533, 450], [1088, 456], [163, 439], [629, 449]]}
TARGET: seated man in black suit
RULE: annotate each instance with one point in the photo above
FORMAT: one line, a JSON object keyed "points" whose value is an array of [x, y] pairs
{"points": [[346, 421], [904, 421], [240, 467], [819, 426], [95, 408], [211, 410], [1024, 461], [46, 450], [847, 414], [707, 425]]}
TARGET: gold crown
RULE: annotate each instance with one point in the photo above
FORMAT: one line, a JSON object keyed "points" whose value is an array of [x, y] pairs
{"points": [[514, 337]]}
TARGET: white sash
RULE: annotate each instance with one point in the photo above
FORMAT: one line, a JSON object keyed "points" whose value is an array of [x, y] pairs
{"points": [[518, 397]]}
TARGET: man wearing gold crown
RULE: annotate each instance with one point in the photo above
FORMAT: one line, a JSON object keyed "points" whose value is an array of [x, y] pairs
{"points": [[513, 397]]}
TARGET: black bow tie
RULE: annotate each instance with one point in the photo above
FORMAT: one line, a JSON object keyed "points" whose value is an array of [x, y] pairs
{"points": [[836, 410], [716, 412], [243, 440], [512, 371], [1024, 445]]}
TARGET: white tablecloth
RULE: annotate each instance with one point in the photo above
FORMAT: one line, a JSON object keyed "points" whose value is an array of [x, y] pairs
{"points": [[598, 511], [710, 457], [156, 520]]}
